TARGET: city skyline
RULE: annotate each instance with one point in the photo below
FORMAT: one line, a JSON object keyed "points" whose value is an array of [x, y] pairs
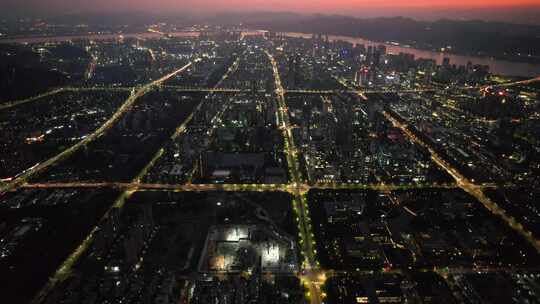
{"points": [[271, 158]]}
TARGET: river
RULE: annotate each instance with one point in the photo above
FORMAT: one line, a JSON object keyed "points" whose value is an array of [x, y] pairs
{"points": [[496, 66], [143, 35]]}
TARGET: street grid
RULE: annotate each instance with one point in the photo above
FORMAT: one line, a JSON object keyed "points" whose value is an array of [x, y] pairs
{"points": [[312, 276]]}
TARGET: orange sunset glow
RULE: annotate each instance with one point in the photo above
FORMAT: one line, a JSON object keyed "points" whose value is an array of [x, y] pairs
{"points": [[274, 5]]}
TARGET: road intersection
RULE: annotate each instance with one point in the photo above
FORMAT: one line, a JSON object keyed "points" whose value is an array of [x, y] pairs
{"points": [[311, 275]]}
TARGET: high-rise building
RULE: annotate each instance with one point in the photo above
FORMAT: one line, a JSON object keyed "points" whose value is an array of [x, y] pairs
{"points": [[446, 62], [363, 76], [382, 49], [293, 72]]}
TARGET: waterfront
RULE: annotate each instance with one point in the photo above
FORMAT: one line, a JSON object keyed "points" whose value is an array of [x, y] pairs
{"points": [[96, 36], [496, 66]]}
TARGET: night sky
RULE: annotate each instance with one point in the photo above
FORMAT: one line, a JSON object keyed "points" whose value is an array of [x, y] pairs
{"points": [[521, 10]]}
